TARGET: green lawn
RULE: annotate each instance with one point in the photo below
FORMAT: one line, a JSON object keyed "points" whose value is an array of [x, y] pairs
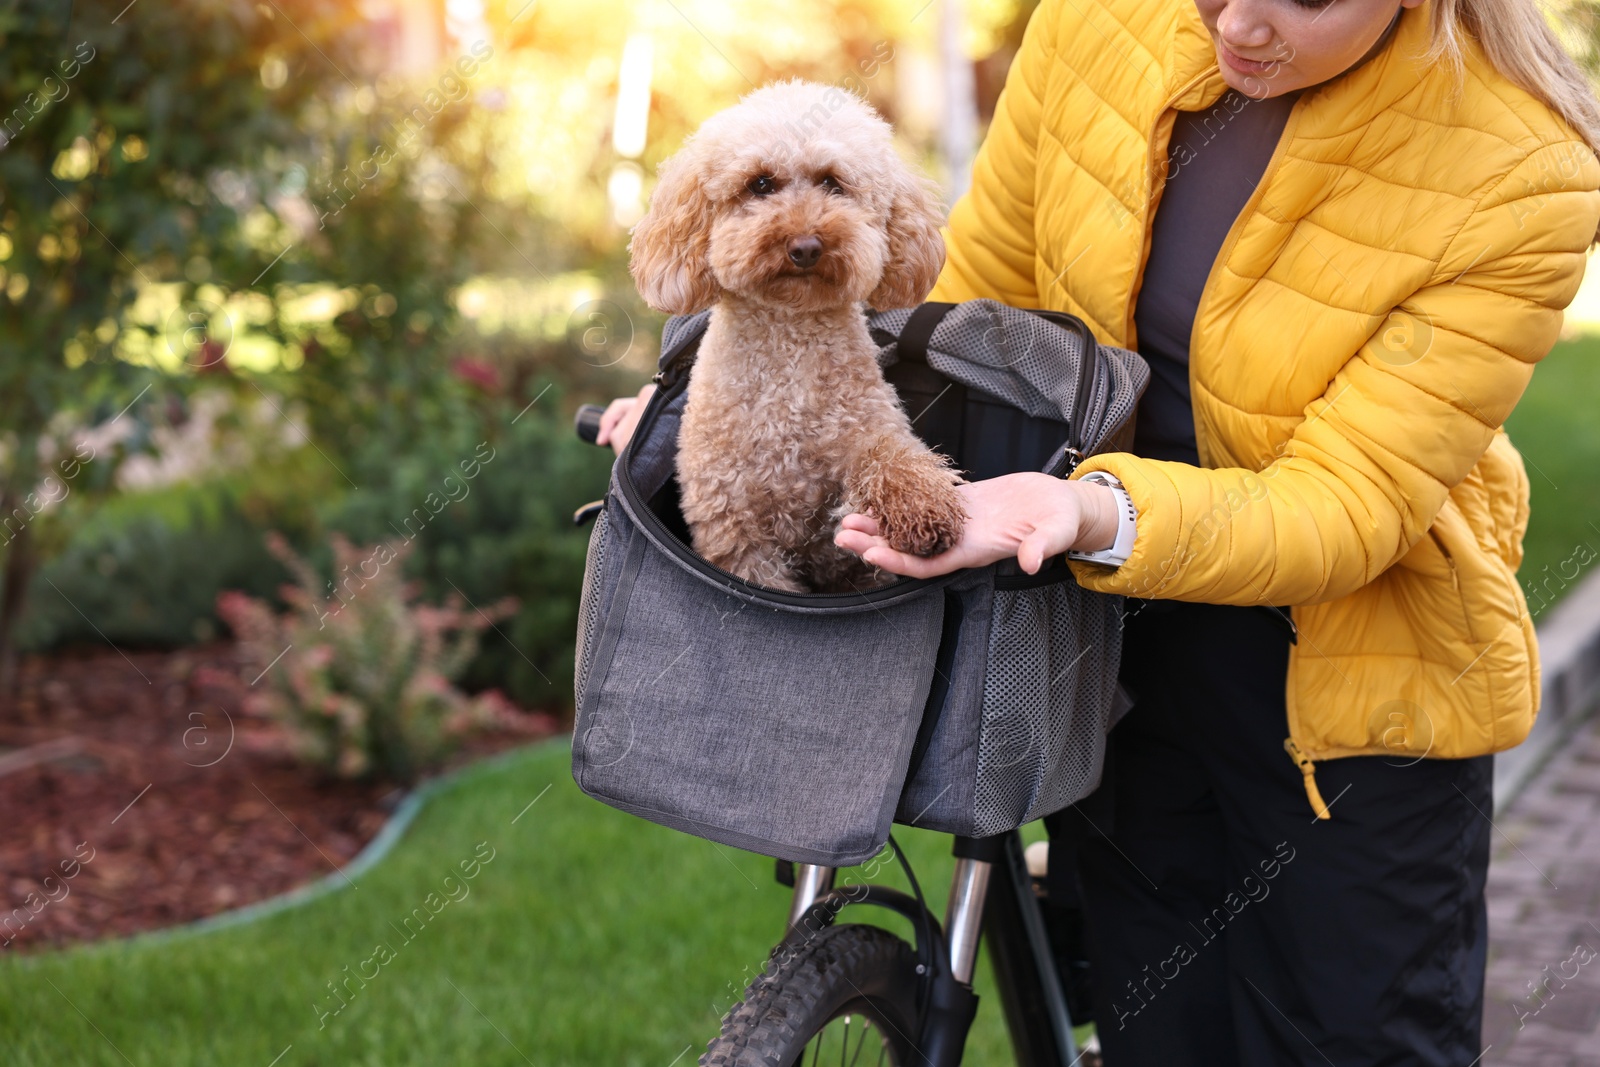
{"points": [[590, 938], [1557, 428]]}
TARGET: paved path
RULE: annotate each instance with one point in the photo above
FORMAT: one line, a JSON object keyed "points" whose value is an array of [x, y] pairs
{"points": [[1542, 1003]]}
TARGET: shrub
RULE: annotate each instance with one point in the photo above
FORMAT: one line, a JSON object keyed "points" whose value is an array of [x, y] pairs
{"points": [[358, 672], [143, 569], [504, 530]]}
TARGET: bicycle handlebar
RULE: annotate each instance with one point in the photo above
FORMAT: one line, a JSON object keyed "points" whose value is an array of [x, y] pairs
{"points": [[586, 423]]}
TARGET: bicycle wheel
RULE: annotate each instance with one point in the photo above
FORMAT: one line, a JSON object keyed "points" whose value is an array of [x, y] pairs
{"points": [[846, 995]]}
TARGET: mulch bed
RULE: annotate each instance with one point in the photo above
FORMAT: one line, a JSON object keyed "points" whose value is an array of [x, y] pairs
{"points": [[127, 808]]}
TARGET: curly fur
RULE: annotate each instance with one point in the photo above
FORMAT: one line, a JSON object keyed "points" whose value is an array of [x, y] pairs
{"points": [[789, 424]]}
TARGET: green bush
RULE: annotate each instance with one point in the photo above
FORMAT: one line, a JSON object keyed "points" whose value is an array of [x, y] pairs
{"points": [[488, 510], [484, 500], [144, 569]]}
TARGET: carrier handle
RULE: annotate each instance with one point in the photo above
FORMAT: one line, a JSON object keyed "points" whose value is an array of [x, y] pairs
{"points": [[918, 330]]}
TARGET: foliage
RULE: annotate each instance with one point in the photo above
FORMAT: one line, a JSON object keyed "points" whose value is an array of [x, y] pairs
{"points": [[1555, 429], [486, 503], [115, 127], [362, 677], [144, 568], [706, 54], [487, 509]]}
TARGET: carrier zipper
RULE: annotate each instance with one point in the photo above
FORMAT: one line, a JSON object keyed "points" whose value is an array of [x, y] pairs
{"points": [[1088, 382], [1309, 770]]}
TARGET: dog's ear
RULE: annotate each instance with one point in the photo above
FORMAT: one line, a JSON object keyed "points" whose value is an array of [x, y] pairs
{"points": [[670, 253], [916, 251]]}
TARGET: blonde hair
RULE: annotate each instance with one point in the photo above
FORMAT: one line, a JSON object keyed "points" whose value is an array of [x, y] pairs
{"points": [[1523, 48]]}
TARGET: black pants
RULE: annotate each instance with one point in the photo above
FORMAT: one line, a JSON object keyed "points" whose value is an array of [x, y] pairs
{"points": [[1227, 925]]}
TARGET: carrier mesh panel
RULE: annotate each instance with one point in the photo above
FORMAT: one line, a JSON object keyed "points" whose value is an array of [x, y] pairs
{"points": [[1047, 703], [1030, 363], [679, 325], [589, 604]]}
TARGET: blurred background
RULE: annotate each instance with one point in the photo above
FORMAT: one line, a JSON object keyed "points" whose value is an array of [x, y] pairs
{"points": [[297, 299]]}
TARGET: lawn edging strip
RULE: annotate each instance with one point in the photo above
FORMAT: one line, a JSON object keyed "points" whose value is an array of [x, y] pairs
{"points": [[370, 855]]}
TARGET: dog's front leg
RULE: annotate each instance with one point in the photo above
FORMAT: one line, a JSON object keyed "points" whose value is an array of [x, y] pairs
{"points": [[911, 491], [725, 542]]}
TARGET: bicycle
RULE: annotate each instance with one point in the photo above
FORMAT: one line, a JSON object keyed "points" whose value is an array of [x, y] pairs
{"points": [[828, 984]]}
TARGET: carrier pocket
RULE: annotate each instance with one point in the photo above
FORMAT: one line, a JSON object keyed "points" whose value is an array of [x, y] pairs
{"points": [[1048, 702], [589, 608]]}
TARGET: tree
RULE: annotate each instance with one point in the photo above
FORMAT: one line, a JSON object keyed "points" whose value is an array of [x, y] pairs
{"points": [[122, 131]]}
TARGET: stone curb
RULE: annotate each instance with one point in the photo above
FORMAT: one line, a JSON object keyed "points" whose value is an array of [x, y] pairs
{"points": [[1569, 653]]}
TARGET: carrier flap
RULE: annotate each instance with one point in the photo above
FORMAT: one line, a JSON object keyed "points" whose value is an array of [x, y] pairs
{"points": [[697, 713]]}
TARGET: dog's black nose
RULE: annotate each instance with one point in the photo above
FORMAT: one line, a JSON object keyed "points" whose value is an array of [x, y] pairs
{"points": [[805, 251]]}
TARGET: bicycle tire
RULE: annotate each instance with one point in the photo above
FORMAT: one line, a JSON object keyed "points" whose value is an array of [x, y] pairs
{"points": [[848, 969]]}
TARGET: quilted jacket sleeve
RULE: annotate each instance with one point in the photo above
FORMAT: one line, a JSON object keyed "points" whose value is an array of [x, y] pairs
{"points": [[1364, 475], [989, 242]]}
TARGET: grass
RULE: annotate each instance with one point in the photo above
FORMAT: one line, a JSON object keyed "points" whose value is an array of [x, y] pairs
{"points": [[590, 937], [1557, 429]]}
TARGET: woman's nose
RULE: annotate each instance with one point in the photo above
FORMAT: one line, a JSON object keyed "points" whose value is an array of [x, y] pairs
{"points": [[1242, 25]]}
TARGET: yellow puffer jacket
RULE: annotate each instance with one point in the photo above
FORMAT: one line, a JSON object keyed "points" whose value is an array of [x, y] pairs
{"points": [[1372, 318]]}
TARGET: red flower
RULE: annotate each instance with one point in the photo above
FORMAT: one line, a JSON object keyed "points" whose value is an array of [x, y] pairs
{"points": [[478, 372], [213, 358]]}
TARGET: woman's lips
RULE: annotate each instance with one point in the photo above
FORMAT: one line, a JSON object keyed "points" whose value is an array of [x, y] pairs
{"points": [[1242, 65]]}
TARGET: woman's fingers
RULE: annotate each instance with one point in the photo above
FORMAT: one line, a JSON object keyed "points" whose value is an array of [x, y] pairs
{"points": [[611, 417], [864, 523], [854, 539], [1030, 516], [620, 418], [876, 551], [903, 563], [1053, 533], [1032, 550]]}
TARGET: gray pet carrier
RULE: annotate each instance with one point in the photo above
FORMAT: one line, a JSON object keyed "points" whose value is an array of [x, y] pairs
{"points": [[801, 725]]}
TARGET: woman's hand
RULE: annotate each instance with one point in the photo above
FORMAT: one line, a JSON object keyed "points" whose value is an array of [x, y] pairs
{"points": [[621, 416], [1029, 516]]}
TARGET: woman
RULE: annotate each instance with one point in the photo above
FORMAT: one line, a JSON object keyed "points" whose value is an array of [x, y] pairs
{"points": [[1342, 234], [1360, 245]]}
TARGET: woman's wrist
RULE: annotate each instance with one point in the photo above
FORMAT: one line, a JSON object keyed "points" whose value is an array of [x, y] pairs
{"points": [[1097, 523]]}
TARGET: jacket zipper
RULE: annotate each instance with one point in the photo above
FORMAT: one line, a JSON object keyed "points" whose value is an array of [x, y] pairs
{"points": [[1308, 771]]}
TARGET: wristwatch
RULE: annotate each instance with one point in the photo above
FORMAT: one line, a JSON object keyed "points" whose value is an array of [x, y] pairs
{"points": [[1127, 524]]}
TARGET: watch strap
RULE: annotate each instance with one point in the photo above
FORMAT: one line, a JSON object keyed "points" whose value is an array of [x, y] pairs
{"points": [[1127, 525]]}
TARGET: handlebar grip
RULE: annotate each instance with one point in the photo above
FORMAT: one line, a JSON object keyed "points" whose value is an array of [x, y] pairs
{"points": [[587, 422]]}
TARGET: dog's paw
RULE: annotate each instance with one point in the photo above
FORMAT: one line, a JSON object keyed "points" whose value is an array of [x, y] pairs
{"points": [[924, 524]]}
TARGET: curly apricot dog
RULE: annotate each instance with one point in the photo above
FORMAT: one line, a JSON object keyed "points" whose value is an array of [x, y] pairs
{"points": [[783, 214]]}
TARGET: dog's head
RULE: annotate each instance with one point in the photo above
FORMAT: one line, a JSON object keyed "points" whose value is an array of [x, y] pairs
{"points": [[794, 198]]}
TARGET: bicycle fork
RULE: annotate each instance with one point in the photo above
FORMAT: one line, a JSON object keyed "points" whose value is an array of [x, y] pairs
{"points": [[946, 976], [963, 921], [1029, 988]]}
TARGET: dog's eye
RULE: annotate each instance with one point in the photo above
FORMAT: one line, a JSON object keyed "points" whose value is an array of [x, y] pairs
{"points": [[830, 183], [762, 185]]}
